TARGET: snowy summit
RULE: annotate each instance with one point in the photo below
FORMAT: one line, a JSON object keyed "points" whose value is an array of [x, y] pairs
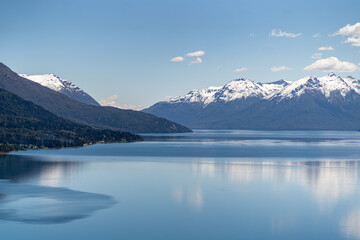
{"points": [[242, 88], [328, 85], [63, 86]]}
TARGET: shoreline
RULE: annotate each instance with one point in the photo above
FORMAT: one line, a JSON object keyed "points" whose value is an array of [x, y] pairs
{"points": [[84, 145]]}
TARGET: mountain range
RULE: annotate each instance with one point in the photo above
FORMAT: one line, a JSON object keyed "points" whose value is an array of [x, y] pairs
{"points": [[82, 113], [329, 102], [62, 86]]}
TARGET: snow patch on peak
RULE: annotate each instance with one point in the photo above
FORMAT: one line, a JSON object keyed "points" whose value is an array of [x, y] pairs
{"points": [[47, 80], [58, 84], [274, 87], [205, 96], [241, 88], [327, 85]]}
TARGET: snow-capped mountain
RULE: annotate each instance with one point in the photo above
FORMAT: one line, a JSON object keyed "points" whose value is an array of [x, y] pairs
{"points": [[274, 87], [98, 117], [63, 86], [242, 88], [329, 86], [327, 102]]}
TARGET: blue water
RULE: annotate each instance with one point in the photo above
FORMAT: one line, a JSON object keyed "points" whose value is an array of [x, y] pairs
{"points": [[201, 185]]}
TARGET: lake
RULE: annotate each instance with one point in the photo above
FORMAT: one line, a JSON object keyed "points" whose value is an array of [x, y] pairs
{"points": [[201, 185]]}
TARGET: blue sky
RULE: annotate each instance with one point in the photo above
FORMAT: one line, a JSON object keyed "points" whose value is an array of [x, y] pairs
{"points": [[124, 48]]}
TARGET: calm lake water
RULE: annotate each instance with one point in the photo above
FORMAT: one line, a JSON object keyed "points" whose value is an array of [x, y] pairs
{"points": [[201, 185]]}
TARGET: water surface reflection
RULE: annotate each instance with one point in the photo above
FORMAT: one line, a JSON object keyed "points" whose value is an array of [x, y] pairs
{"points": [[24, 168], [206, 185], [326, 180], [28, 203]]}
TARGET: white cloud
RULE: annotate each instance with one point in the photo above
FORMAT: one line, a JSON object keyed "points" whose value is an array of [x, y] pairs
{"points": [[332, 64], [355, 41], [280, 68], [130, 107], [353, 31], [279, 33], [196, 54], [326, 48], [113, 102], [241, 69], [316, 35], [177, 59], [197, 60], [316, 56], [109, 101], [252, 34]]}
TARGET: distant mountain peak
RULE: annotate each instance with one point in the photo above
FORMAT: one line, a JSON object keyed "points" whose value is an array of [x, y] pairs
{"points": [[63, 86], [241, 80], [242, 88], [329, 86], [280, 82]]}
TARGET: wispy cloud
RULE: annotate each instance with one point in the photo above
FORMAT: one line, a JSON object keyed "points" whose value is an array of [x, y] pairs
{"points": [[197, 60], [177, 59], [316, 35], [113, 102], [316, 56], [241, 69], [332, 64], [280, 68], [326, 48], [195, 54], [279, 33], [353, 33]]}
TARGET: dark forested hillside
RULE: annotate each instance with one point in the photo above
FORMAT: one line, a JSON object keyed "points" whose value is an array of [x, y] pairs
{"points": [[24, 125], [95, 116]]}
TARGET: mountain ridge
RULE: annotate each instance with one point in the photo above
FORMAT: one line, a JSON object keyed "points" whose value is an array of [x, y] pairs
{"points": [[25, 125], [328, 103], [63, 86], [94, 116]]}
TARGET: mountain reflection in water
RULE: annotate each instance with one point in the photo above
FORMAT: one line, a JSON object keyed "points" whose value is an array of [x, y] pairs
{"points": [[326, 180], [28, 203]]}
